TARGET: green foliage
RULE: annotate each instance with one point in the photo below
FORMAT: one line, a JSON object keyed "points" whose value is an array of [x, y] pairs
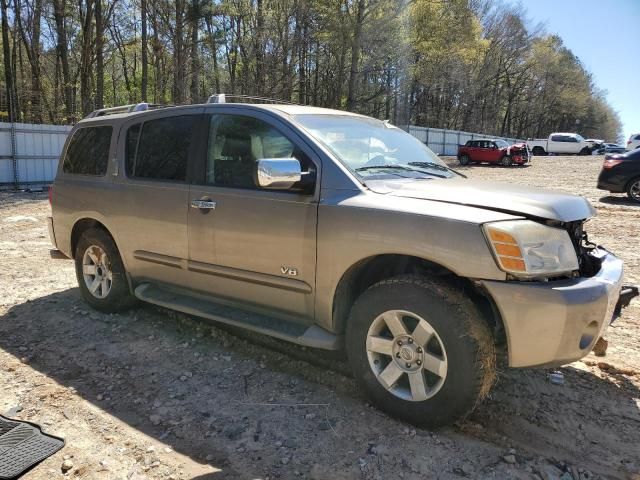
{"points": [[463, 64]]}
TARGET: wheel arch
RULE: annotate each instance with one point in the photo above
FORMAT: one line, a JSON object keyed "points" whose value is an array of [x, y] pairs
{"points": [[83, 224], [371, 270], [631, 181], [86, 222]]}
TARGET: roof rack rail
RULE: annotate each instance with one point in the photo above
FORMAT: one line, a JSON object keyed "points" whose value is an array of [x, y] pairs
{"points": [[134, 107], [223, 97]]}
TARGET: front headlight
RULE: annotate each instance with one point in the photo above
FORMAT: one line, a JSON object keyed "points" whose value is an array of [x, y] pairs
{"points": [[528, 249]]}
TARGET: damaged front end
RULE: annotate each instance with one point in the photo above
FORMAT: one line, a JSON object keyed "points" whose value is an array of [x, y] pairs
{"points": [[519, 153], [590, 257]]}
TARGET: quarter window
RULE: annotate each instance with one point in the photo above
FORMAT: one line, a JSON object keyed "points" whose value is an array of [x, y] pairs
{"points": [[88, 151], [159, 149], [236, 142]]}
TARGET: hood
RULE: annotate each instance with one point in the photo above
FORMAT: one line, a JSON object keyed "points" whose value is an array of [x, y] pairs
{"points": [[514, 199]]}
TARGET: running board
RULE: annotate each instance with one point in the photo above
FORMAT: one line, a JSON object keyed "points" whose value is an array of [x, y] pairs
{"points": [[309, 336]]}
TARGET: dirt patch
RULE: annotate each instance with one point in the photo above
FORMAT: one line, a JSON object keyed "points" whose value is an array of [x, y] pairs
{"points": [[151, 394]]}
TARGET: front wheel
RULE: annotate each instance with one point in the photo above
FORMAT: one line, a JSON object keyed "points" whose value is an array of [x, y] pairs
{"points": [[421, 350], [100, 272], [506, 161], [633, 190], [585, 151]]}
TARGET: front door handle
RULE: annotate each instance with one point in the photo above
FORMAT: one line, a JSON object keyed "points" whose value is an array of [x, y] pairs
{"points": [[203, 204]]}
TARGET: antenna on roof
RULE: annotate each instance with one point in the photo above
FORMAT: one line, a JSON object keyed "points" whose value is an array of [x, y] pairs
{"points": [[219, 98]]}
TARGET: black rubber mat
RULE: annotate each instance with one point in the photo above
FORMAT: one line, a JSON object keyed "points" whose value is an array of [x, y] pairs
{"points": [[23, 446]]}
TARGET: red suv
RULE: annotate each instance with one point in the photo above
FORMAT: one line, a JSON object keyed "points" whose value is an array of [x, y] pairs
{"points": [[493, 151]]}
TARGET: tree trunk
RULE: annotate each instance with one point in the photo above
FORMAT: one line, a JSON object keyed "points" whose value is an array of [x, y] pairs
{"points": [[86, 59], [63, 54], [259, 48], [194, 18], [214, 53], [100, 21], [355, 56], [144, 60], [179, 80], [8, 70], [32, 48]]}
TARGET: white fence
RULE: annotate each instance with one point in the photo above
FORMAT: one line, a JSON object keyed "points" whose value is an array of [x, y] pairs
{"points": [[29, 153], [445, 142]]}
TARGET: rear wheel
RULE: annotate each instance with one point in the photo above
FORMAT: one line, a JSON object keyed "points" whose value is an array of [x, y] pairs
{"points": [[100, 272], [538, 151], [421, 350], [464, 160], [633, 190]]}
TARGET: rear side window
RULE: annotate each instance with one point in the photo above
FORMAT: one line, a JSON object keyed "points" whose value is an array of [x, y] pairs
{"points": [[159, 149], [88, 151], [557, 138]]}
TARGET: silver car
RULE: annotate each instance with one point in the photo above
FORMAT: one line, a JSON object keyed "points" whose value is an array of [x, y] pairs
{"points": [[336, 231]]}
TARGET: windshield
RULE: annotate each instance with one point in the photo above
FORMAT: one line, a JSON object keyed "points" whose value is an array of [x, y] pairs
{"points": [[579, 137], [372, 148], [501, 143]]}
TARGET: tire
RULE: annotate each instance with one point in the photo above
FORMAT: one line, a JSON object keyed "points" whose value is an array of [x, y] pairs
{"points": [[461, 341], [538, 151], [633, 190], [585, 151], [506, 161], [97, 252], [464, 160]]}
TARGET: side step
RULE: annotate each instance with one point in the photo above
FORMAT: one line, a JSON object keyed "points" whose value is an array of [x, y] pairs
{"points": [[312, 336]]}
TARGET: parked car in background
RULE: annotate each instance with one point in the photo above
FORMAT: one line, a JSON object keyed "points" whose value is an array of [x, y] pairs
{"points": [[561, 144], [612, 148], [595, 144], [633, 142], [621, 173], [493, 151]]}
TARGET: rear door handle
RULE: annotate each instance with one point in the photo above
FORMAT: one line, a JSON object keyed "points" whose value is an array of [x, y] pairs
{"points": [[203, 204]]}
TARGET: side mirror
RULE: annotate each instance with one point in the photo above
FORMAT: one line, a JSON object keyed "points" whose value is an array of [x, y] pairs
{"points": [[278, 173]]}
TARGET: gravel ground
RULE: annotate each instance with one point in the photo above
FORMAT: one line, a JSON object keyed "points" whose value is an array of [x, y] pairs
{"points": [[152, 394]]}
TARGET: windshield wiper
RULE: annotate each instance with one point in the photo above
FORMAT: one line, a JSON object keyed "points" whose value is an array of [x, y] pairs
{"points": [[437, 166], [372, 167]]}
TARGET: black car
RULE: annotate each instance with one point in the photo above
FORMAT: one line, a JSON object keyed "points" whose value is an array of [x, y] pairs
{"points": [[612, 148], [621, 173]]}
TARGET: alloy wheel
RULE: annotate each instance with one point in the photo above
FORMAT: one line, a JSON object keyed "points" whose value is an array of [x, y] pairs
{"points": [[634, 190], [96, 271], [406, 355]]}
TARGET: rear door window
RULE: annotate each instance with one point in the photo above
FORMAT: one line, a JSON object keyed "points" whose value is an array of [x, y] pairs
{"points": [[159, 149], [88, 151]]}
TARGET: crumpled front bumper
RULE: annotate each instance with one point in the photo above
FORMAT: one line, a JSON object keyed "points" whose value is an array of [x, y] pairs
{"points": [[557, 322]]}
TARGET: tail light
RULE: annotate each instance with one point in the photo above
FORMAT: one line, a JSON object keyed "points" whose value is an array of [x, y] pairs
{"points": [[610, 163]]}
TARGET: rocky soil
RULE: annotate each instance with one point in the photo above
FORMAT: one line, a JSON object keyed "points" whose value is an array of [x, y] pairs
{"points": [[154, 395]]}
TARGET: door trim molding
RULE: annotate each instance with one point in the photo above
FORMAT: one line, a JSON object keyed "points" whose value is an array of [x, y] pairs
{"points": [[158, 258], [273, 281], [251, 277]]}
